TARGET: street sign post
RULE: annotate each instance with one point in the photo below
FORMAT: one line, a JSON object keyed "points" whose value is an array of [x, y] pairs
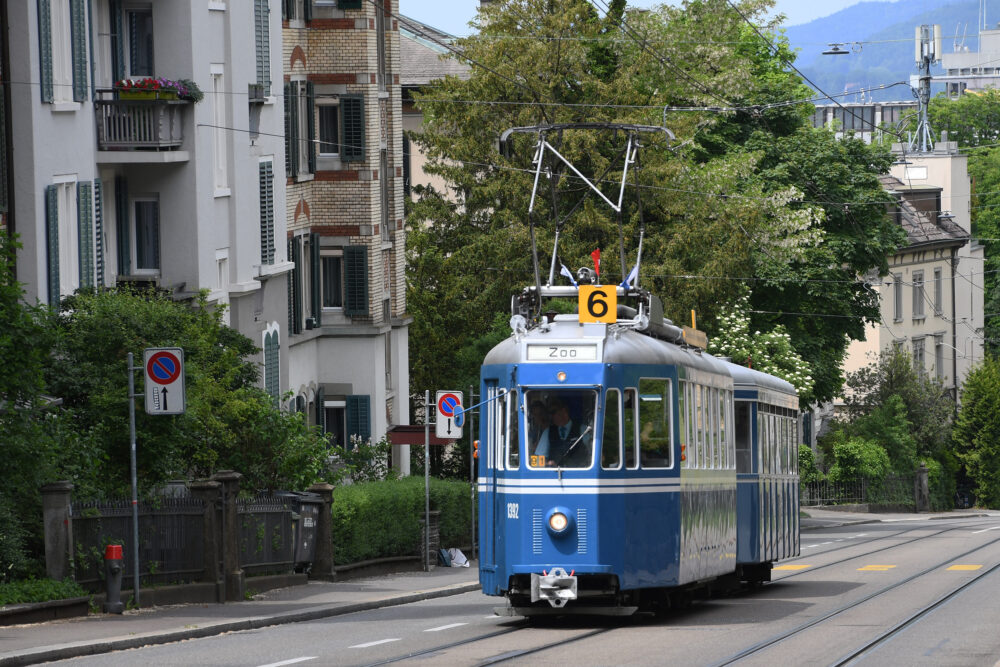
{"points": [[450, 415], [164, 369]]}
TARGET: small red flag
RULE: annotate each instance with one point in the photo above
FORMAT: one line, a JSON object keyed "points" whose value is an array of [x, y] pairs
{"points": [[596, 256]]}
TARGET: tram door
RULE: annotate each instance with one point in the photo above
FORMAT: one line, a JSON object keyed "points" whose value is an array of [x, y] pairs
{"points": [[492, 425]]}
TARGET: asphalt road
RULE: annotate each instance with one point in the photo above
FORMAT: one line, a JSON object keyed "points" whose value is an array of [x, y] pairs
{"points": [[926, 589]]}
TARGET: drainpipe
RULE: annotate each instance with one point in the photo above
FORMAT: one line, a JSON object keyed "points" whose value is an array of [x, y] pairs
{"points": [[954, 324]]}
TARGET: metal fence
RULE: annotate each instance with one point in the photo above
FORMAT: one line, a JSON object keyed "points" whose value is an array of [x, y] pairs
{"points": [[170, 538], [896, 491], [267, 536]]}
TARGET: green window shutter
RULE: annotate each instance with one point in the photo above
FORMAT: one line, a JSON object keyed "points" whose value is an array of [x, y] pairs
{"points": [[45, 48], [266, 175], [271, 377], [291, 290], [262, 38], [359, 417], [320, 409], [90, 42], [297, 286], [356, 280], [315, 285], [52, 241], [349, 4], [310, 143], [3, 147], [117, 40], [85, 232], [307, 10], [291, 129], [99, 231], [287, 7], [123, 228], [352, 120], [78, 33]]}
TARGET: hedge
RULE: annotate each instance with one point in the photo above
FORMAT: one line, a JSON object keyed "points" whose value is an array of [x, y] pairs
{"points": [[39, 590], [382, 519]]}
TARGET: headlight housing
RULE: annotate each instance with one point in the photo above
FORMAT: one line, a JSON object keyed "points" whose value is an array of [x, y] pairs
{"points": [[559, 521]]}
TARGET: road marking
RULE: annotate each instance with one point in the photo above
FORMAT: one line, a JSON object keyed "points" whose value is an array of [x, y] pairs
{"points": [[875, 568], [792, 567], [965, 567], [381, 641], [823, 544], [445, 627], [976, 532], [288, 662]]}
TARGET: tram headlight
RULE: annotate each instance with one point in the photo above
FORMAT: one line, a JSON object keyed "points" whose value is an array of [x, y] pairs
{"points": [[559, 520]]}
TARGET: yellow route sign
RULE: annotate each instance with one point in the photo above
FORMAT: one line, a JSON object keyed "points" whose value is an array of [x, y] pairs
{"points": [[598, 303]]}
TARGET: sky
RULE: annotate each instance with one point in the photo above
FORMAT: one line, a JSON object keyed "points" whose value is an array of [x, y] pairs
{"points": [[453, 16]]}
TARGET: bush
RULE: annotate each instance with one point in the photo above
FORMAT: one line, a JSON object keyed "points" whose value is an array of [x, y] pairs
{"points": [[856, 458], [12, 556], [39, 590], [382, 519], [808, 472]]}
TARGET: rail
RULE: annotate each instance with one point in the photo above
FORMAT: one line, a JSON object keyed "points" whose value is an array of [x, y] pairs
{"points": [[139, 124]]}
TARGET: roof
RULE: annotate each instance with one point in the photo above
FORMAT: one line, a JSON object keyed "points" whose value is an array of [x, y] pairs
{"points": [[421, 53], [919, 227]]}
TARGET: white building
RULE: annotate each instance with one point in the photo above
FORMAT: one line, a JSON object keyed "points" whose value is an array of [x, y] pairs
{"points": [[176, 194]]}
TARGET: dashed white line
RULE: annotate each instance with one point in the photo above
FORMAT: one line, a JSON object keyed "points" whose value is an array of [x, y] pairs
{"points": [[985, 529], [289, 662], [445, 627], [376, 643]]}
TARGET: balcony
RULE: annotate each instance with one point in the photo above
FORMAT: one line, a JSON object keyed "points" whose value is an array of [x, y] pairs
{"points": [[139, 130]]}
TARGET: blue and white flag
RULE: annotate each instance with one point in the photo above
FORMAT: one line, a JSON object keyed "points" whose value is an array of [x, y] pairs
{"points": [[566, 272], [632, 275]]}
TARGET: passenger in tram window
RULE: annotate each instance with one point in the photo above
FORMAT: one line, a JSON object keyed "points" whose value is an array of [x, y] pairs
{"points": [[539, 421], [566, 442]]}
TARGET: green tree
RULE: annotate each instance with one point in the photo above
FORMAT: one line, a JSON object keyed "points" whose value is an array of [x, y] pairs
{"points": [[888, 427], [859, 458], [976, 436], [928, 407], [735, 197]]}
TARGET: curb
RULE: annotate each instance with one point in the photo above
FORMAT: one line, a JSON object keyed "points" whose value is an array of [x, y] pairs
{"points": [[97, 647]]}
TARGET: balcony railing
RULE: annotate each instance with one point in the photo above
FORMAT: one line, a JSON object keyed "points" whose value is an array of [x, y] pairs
{"points": [[153, 124]]}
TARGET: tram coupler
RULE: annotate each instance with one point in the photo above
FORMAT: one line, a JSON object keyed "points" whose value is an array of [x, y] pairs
{"points": [[556, 587], [113, 579]]}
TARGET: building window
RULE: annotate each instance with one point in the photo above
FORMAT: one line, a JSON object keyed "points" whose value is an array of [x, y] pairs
{"points": [[272, 378], [335, 416], [939, 357], [62, 45], [918, 294], [329, 127], [897, 297], [146, 232], [918, 354], [382, 73], [938, 292], [332, 269], [386, 223], [139, 25]]}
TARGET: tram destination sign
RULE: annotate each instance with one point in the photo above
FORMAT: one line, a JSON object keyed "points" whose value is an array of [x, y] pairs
{"points": [[561, 352]]}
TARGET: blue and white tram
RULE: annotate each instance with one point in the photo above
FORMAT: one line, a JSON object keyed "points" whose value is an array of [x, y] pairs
{"points": [[608, 471], [766, 419]]}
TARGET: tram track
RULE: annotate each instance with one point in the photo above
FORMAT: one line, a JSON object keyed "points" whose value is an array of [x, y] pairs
{"points": [[799, 629]]}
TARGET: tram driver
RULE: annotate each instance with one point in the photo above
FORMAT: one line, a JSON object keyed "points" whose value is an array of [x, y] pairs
{"points": [[567, 441]]}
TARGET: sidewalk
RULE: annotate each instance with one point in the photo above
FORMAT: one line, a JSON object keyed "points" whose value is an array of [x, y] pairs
{"points": [[814, 518], [103, 633]]}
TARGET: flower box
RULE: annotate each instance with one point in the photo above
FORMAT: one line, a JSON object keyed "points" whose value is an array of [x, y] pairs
{"points": [[147, 94]]}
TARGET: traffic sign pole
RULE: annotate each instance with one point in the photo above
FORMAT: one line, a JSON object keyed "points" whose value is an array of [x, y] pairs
{"points": [[135, 485]]}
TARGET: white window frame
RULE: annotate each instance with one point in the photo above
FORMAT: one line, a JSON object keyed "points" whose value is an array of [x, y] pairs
{"points": [[220, 135], [325, 102], [69, 234], [332, 252], [62, 53]]}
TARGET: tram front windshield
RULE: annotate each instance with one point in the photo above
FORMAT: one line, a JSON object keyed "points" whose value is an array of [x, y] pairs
{"points": [[560, 429]]}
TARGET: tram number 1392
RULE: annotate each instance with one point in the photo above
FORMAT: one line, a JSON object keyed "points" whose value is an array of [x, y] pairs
{"points": [[512, 510]]}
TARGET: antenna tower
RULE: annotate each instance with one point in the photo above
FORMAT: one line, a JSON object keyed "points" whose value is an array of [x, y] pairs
{"points": [[928, 52]]}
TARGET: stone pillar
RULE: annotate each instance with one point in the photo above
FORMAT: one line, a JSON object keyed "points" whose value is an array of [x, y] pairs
{"points": [[921, 490], [322, 566], [210, 493], [231, 572], [58, 524]]}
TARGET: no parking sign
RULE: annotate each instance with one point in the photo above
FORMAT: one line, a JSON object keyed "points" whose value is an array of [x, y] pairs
{"points": [[450, 415], [164, 369]]}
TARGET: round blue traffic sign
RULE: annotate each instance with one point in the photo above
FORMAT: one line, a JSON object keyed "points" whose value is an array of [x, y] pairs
{"points": [[448, 403], [163, 367]]}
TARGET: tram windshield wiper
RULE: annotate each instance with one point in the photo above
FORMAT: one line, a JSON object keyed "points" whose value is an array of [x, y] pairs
{"points": [[571, 447]]}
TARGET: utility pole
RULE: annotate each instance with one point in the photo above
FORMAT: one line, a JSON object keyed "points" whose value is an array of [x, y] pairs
{"points": [[928, 52]]}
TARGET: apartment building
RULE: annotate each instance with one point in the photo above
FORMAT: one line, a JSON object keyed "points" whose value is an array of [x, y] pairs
{"points": [[175, 193], [347, 322]]}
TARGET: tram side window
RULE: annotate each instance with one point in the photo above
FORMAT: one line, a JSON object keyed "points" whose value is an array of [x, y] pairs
{"points": [[611, 442], [723, 441], [795, 443], [654, 423], [699, 416], [513, 431], [629, 429], [682, 386], [742, 429]]}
